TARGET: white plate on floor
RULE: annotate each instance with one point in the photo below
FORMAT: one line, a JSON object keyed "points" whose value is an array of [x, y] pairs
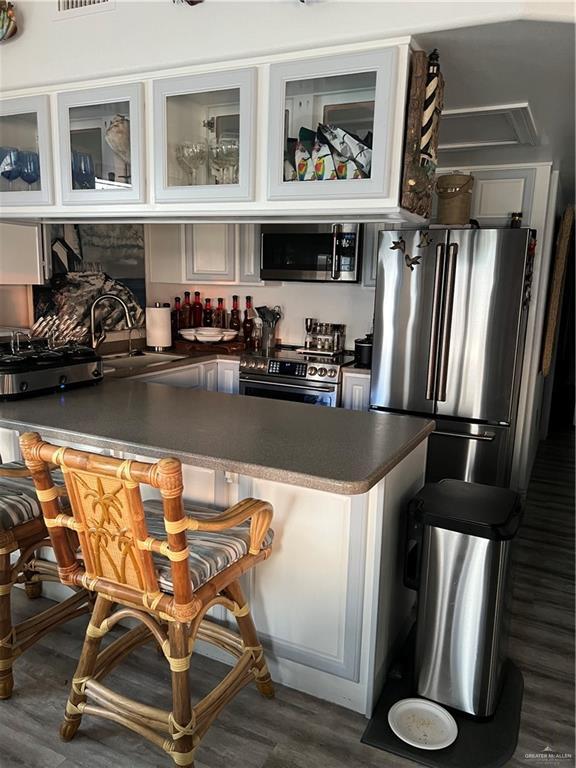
{"points": [[422, 724]]}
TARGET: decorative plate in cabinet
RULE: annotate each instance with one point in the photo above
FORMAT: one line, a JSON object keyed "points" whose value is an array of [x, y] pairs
{"points": [[331, 126], [204, 129], [25, 153], [102, 145]]}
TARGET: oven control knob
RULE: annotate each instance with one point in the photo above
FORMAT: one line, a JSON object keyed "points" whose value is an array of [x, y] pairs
{"points": [[262, 365], [322, 371], [332, 373], [312, 371], [252, 364], [23, 386], [242, 363]]}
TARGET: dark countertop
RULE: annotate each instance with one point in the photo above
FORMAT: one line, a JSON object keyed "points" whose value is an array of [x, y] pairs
{"points": [[329, 449]]}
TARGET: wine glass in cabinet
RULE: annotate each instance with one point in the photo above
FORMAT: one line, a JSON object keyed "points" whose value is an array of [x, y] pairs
{"points": [[25, 156], [101, 145], [330, 127], [204, 136]]}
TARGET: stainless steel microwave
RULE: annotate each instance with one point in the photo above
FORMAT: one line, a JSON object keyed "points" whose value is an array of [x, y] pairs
{"points": [[311, 252]]}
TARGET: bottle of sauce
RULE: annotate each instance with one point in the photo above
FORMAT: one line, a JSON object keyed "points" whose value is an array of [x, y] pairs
{"points": [[186, 311], [197, 311], [175, 317], [235, 320], [248, 324], [220, 315], [208, 317]]}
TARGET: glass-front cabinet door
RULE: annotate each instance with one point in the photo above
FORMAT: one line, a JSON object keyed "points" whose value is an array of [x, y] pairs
{"points": [[25, 156], [330, 126], [203, 137], [101, 145]]}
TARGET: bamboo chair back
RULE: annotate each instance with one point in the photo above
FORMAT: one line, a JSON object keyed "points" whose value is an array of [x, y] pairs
{"points": [[108, 516]]}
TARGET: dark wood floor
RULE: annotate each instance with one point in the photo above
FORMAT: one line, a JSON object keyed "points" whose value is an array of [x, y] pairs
{"points": [[295, 730]]}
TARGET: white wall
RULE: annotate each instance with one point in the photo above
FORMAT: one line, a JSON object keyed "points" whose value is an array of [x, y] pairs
{"points": [[145, 34], [350, 304]]}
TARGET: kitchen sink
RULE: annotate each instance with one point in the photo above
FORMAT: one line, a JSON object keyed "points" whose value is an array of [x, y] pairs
{"points": [[145, 360]]}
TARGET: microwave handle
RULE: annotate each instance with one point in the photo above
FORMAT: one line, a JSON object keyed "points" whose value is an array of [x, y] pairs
{"points": [[336, 256]]}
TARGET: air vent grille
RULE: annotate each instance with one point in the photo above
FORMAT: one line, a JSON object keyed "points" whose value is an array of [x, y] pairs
{"points": [[76, 7]]}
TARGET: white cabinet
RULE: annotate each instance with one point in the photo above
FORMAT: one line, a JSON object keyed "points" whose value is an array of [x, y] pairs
{"points": [[102, 145], [203, 253], [228, 376], [210, 373], [21, 254], [315, 104], [204, 136], [370, 251], [356, 390], [210, 253], [25, 152]]}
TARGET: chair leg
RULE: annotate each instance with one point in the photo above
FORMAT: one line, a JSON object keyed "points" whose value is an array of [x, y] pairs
{"points": [[250, 639], [6, 677], [86, 667], [33, 589], [181, 721]]}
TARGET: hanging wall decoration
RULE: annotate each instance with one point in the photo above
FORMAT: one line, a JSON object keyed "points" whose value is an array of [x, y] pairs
{"points": [[425, 104], [8, 27]]}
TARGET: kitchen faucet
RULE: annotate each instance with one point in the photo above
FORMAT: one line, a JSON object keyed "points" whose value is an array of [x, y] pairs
{"points": [[97, 340]]}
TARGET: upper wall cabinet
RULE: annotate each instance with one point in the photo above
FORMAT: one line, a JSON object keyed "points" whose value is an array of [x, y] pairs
{"points": [[25, 156], [102, 145], [204, 137], [330, 126]]}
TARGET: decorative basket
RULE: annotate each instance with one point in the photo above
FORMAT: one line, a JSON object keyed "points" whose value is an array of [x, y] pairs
{"points": [[454, 192]]}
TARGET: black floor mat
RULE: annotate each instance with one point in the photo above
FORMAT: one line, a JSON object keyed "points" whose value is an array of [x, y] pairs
{"points": [[480, 743]]}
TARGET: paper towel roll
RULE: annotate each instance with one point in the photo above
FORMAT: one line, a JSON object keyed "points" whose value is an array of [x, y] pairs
{"points": [[158, 332]]}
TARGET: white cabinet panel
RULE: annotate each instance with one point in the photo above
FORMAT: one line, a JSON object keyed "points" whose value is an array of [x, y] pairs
{"points": [[248, 245], [101, 135], [204, 136], [356, 391], [210, 252], [228, 376], [165, 253], [21, 255], [299, 623], [210, 376], [355, 93], [25, 151]]}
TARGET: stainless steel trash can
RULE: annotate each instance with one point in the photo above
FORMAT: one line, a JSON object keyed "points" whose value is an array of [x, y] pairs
{"points": [[458, 558]]}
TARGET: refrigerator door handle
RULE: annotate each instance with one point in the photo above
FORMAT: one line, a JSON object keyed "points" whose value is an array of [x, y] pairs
{"points": [[447, 321], [487, 437], [436, 299]]}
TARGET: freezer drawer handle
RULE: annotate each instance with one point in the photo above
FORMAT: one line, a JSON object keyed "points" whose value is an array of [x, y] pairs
{"points": [[486, 437], [433, 348], [447, 321]]}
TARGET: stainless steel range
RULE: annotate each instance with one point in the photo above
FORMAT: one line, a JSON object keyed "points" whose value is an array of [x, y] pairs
{"points": [[37, 368], [289, 375]]}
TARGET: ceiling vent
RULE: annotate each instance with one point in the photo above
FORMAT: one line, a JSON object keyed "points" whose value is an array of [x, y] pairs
{"points": [[484, 127], [67, 9]]}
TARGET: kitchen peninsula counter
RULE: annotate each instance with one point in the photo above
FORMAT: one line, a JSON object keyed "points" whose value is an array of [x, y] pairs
{"points": [[330, 604], [327, 449]]}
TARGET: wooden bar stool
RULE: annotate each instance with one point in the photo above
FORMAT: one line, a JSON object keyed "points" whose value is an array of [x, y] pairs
{"points": [[166, 581], [22, 531]]}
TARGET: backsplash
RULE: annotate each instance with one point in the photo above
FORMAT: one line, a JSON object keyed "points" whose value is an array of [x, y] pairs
{"points": [[337, 303]]}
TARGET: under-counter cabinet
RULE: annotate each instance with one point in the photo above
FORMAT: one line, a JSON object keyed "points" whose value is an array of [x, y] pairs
{"points": [[25, 152], [331, 126], [356, 389], [204, 136], [212, 376], [102, 145]]}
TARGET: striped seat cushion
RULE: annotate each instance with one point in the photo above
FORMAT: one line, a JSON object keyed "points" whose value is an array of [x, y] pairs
{"points": [[210, 553], [18, 501]]}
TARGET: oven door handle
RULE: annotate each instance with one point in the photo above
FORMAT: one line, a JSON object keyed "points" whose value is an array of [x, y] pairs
{"points": [[314, 388]]}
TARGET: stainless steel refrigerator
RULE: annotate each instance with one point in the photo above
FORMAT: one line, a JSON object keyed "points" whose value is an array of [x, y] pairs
{"points": [[449, 328]]}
